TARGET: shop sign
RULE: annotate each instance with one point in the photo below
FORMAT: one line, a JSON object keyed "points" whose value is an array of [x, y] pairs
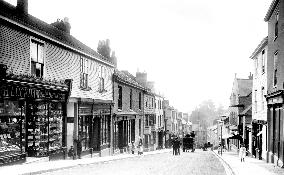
{"points": [[85, 111], [24, 92], [101, 112]]}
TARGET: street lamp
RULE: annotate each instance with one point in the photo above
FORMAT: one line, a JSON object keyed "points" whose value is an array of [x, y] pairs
{"points": [[220, 121]]}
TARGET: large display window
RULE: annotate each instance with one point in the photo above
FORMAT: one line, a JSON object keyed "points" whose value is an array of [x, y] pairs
{"points": [[44, 128], [12, 135]]}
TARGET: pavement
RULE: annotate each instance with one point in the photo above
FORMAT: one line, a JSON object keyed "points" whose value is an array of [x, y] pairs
{"points": [[49, 166], [230, 161], [234, 166]]}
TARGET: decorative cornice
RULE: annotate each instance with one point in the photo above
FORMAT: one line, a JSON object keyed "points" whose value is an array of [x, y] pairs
{"points": [[31, 80]]}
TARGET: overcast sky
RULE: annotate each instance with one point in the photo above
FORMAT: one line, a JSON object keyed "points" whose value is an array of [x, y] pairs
{"points": [[190, 48]]}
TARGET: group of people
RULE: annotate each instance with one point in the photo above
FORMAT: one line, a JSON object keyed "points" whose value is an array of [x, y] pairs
{"points": [[176, 146], [140, 147]]}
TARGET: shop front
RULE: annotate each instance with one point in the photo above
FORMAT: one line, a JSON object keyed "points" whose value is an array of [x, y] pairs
{"points": [[32, 118], [275, 122], [94, 127], [124, 131]]}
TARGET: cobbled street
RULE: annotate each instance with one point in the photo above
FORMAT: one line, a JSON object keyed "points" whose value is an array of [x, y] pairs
{"points": [[199, 162]]}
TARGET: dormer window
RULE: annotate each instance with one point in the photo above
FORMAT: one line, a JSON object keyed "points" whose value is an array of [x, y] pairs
{"points": [[37, 58]]}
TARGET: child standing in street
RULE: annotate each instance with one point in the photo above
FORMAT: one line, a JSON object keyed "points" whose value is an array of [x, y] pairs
{"points": [[242, 153]]}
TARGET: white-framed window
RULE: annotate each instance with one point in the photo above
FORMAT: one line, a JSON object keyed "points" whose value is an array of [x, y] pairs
{"points": [[130, 98], [102, 80], [37, 58], [275, 68], [119, 100], [263, 59], [139, 100], [262, 98], [276, 25], [83, 73], [255, 100], [256, 67]]}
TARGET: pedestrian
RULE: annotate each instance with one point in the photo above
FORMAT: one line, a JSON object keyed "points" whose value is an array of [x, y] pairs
{"points": [[132, 147], [140, 149], [178, 146], [79, 146], [242, 153], [174, 146], [71, 153]]}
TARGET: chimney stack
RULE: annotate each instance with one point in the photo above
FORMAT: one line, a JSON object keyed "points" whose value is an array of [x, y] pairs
{"points": [[22, 6], [141, 77], [63, 25], [250, 76]]}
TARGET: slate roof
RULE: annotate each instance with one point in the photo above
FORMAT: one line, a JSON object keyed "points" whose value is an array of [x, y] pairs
{"points": [[244, 86], [270, 10], [127, 78], [9, 11], [259, 48]]}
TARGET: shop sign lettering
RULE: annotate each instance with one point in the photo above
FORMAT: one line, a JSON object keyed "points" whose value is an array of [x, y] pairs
{"points": [[23, 92]]}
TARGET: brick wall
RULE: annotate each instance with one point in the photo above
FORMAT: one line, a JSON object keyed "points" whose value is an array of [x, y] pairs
{"points": [[126, 98]]}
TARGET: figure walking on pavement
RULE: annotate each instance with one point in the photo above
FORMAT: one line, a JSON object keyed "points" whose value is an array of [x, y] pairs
{"points": [[79, 146], [242, 153], [174, 146], [178, 146]]}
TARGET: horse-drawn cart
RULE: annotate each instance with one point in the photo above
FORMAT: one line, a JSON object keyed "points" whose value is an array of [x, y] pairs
{"points": [[188, 143]]}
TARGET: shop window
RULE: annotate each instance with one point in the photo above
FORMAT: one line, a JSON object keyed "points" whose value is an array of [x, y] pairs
{"points": [[84, 124], [12, 133], [37, 58], [105, 128], [44, 129]]}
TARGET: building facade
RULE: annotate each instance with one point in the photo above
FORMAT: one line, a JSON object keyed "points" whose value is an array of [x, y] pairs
{"points": [[48, 52], [160, 124], [128, 111], [274, 18], [259, 104]]}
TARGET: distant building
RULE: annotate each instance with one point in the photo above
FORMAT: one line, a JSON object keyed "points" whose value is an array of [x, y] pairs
{"points": [[240, 110]]}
